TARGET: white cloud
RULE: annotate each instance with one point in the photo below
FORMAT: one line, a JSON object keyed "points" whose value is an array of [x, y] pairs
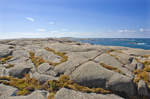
{"points": [[41, 30], [144, 30], [12, 35], [52, 23], [30, 19], [126, 31]]}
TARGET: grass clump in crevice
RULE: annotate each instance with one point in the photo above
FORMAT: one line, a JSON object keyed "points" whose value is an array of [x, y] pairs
{"points": [[63, 56], [143, 74], [115, 50], [36, 60], [111, 68], [65, 82], [24, 85], [9, 65], [5, 59], [27, 85]]}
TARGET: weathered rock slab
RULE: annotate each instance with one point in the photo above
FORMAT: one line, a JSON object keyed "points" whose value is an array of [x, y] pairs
{"points": [[71, 94]]}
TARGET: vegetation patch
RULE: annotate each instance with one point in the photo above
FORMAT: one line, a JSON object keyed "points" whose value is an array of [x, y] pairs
{"points": [[109, 53], [143, 74], [5, 59], [145, 56], [115, 50], [9, 65], [65, 82], [27, 85], [11, 47], [63, 56], [111, 68], [37, 60]]}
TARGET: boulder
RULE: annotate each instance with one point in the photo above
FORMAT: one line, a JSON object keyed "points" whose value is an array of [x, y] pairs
{"points": [[47, 69], [122, 84], [124, 58], [108, 60], [5, 52], [93, 75], [74, 59], [6, 91], [42, 78], [20, 56], [19, 71], [112, 61], [142, 88], [47, 55], [71, 94], [140, 66], [3, 71], [132, 66]]}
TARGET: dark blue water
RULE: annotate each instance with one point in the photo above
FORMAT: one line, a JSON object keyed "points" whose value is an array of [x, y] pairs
{"points": [[143, 43]]}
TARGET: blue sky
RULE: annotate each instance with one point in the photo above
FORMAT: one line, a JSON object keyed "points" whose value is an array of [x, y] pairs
{"points": [[75, 18]]}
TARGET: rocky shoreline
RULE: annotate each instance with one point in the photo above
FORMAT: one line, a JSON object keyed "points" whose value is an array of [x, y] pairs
{"points": [[63, 69]]}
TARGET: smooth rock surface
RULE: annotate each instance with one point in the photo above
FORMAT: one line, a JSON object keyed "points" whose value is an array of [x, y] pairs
{"points": [[71, 94], [19, 71], [6, 91]]}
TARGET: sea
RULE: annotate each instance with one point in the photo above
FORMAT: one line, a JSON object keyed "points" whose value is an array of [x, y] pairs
{"points": [[143, 43]]}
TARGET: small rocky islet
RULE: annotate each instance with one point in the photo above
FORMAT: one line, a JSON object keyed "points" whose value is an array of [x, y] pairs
{"points": [[58, 68]]}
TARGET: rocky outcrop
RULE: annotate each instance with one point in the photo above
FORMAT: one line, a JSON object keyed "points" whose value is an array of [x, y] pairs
{"points": [[60, 68], [93, 75], [47, 69], [142, 88], [71, 94], [6, 91], [5, 51], [42, 77], [19, 71]]}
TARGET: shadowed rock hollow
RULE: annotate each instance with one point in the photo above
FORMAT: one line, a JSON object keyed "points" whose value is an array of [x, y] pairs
{"points": [[63, 69]]}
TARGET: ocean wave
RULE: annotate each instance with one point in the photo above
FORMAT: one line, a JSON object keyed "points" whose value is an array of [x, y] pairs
{"points": [[140, 43]]}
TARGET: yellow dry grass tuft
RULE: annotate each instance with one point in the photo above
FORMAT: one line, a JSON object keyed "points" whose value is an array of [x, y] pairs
{"points": [[27, 85], [143, 74], [9, 65], [64, 58], [5, 59], [24, 85], [36, 60], [111, 68]]}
